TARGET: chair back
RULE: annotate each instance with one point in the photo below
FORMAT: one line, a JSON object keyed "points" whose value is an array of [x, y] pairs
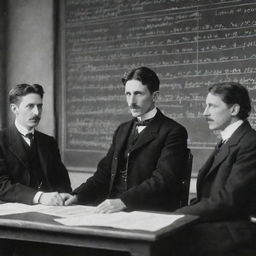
{"points": [[185, 180]]}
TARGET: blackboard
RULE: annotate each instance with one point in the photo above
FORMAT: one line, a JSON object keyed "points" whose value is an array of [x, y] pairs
{"points": [[189, 43]]}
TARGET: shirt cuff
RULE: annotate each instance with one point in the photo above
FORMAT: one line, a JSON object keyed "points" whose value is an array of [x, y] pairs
{"points": [[37, 197]]}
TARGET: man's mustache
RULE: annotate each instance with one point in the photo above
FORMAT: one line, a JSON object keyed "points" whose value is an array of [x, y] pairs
{"points": [[35, 118], [134, 106]]}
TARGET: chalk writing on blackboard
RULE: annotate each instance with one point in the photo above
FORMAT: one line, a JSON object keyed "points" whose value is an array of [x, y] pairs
{"points": [[190, 44]]}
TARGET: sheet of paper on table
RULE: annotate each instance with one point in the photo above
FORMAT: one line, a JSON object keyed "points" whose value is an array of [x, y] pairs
{"points": [[133, 220], [65, 211], [80, 215], [59, 211], [13, 208]]}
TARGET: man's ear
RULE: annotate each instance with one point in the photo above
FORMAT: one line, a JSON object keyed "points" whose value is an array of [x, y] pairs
{"points": [[235, 109], [14, 108], [155, 95]]}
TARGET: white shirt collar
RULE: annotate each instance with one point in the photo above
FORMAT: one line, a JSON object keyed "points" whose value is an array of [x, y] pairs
{"points": [[23, 130], [148, 115], [230, 129]]}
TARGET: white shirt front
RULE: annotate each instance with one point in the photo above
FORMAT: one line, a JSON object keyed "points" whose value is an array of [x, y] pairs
{"points": [[24, 131], [230, 129], [144, 117]]}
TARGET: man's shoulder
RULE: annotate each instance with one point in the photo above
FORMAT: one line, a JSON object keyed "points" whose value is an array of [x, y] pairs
{"points": [[244, 137], [249, 136], [44, 136], [126, 123], [170, 123]]}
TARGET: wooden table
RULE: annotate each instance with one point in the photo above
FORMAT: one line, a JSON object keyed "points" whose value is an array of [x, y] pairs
{"points": [[37, 227]]}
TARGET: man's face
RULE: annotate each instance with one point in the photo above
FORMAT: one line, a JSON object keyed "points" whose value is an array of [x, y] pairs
{"points": [[139, 98], [28, 111], [218, 114]]}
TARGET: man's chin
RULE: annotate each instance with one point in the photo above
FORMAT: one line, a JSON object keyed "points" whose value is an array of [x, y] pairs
{"points": [[213, 128], [33, 124]]}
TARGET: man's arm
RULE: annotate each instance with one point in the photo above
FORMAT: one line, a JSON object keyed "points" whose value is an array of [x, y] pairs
{"points": [[96, 188], [164, 185], [11, 190], [237, 196], [59, 174]]}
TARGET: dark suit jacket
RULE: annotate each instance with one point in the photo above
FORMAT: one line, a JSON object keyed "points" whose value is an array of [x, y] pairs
{"points": [[154, 167], [14, 172], [226, 190]]}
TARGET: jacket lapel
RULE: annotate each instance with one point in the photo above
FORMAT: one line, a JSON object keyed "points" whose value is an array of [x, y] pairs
{"points": [[213, 162], [220, 157], [204, 169], [123, 134], [16, 145], [150, 132], [42, 150]]}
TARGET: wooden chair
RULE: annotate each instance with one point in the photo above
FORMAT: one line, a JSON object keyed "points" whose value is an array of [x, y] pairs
{"points": [[185, 180]]}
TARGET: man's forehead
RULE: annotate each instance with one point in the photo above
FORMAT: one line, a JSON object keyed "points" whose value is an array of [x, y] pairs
{"points": [[30, 97], [135, 85], [213, 97]]}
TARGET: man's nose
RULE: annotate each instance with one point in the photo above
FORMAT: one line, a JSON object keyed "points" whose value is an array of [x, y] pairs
{"points": [[206, 112], [36, 110], [132, 100]]}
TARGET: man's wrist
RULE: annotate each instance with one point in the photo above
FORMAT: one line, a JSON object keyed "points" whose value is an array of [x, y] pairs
{"points": [[37, 197]]}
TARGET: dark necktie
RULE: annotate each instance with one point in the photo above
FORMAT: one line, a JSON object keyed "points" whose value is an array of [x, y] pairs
{"points": [[30, 136], [218, 147], [143, 123]]}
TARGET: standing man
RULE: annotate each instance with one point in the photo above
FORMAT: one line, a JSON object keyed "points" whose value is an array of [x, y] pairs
{"points": [[226, 185], [143, 167], [31, 170]]}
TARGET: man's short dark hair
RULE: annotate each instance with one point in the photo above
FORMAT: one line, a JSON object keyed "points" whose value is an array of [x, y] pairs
{"points": [[146, 76], [233, 93], [22, 90]]}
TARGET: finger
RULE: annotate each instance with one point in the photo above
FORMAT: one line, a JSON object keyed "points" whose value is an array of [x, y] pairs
{"points": [[101, 208], [64, 196], [72, 200], [58, 200], [69, 201]]}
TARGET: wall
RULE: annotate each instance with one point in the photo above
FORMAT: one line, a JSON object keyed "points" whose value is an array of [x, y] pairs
{"points": [[2, 64], [30, 51], [30, 57]]}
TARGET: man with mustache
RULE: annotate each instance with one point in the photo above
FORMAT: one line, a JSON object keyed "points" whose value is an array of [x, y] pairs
{"points": [[31, 170], [143, 167], [226, 184]]}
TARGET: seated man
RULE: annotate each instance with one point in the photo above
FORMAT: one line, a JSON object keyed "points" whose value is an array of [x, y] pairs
{"points": [[226, 184], [31, 170], [143, 167]]}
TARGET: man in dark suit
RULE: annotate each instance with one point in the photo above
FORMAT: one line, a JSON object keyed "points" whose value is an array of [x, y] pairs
{"points": [[226, 185], [143, 167], [31, 170]]}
